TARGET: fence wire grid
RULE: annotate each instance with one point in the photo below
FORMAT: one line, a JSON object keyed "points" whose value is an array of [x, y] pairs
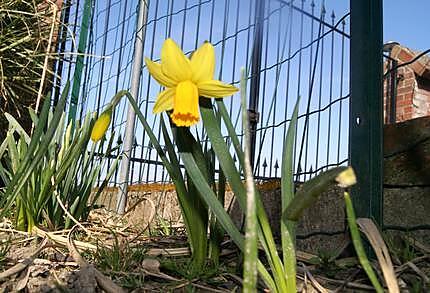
{"points": [[304, 53]]}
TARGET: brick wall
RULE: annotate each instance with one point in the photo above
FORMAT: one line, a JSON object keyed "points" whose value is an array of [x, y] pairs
{"points": [[413, 86], [422, 97]]}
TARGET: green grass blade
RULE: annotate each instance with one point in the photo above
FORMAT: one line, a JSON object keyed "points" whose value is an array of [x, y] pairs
{"points": [[220, 147], [287, 182], [217, 233], [39, 128], [231, 131], [41, 142], [13, 152], [287, 192], [4, 176], [358, 245], [13, 124], [209, 196], [227, 164], [106, 180], [33, 115], [179, 183]]}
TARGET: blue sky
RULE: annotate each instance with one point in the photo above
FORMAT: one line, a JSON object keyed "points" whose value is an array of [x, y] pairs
{"points": [[406, 22]]}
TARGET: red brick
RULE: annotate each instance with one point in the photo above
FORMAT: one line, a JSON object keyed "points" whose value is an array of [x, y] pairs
{"points": [[400, 98], [404, 116], [407, 110], [404, 56], [404, 90], [408, 74], [406, 82], [401, 70], [403, 103], [409, 97]]}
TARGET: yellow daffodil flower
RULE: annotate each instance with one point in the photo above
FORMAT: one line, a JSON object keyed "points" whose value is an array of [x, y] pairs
{"points": [[101, 125], [185, 80]]}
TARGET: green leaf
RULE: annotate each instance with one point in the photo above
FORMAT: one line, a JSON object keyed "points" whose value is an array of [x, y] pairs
{"points": [[36, 150], [310, 191], [287, 182], [13, 124], [227, 164], [13, 152], [181, 190], [358, 245], [251, 239], [199, 215], [209, 196], [231, 131], [287, 192]]}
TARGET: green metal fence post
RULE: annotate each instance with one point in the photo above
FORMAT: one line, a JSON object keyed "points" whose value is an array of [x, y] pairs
{"points": [[366, 107], [77, 76], [255, 79]]}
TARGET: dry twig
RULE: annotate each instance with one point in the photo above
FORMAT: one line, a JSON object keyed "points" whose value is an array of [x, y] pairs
{"points": [[24, 263], [381, 251], [62, 240], [104, 282], [314, 282]]}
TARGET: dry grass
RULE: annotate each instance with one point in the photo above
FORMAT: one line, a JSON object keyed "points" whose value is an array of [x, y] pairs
{"points": [[138, 257], [28, 30]]}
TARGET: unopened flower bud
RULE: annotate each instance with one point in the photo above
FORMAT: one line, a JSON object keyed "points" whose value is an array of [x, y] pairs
{"points": [[101, 125]]}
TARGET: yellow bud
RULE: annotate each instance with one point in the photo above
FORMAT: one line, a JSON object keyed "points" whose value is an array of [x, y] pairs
{"points": [[101, 125], [346, 178]]}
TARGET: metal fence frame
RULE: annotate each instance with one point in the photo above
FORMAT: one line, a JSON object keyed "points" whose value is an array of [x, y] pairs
{"points": [[366, 119]]}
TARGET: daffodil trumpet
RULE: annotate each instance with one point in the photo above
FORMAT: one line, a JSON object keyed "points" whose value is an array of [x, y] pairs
{"points": [[185, 80]]}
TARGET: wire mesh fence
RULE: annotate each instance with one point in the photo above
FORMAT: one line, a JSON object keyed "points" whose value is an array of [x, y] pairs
{"points": [[290, 49], [304, 52]]}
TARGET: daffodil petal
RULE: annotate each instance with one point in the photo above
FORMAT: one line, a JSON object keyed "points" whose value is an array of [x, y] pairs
{"points": [[174, 63], [164, 101], [216, 89], [203, 63], [156, 72]]}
